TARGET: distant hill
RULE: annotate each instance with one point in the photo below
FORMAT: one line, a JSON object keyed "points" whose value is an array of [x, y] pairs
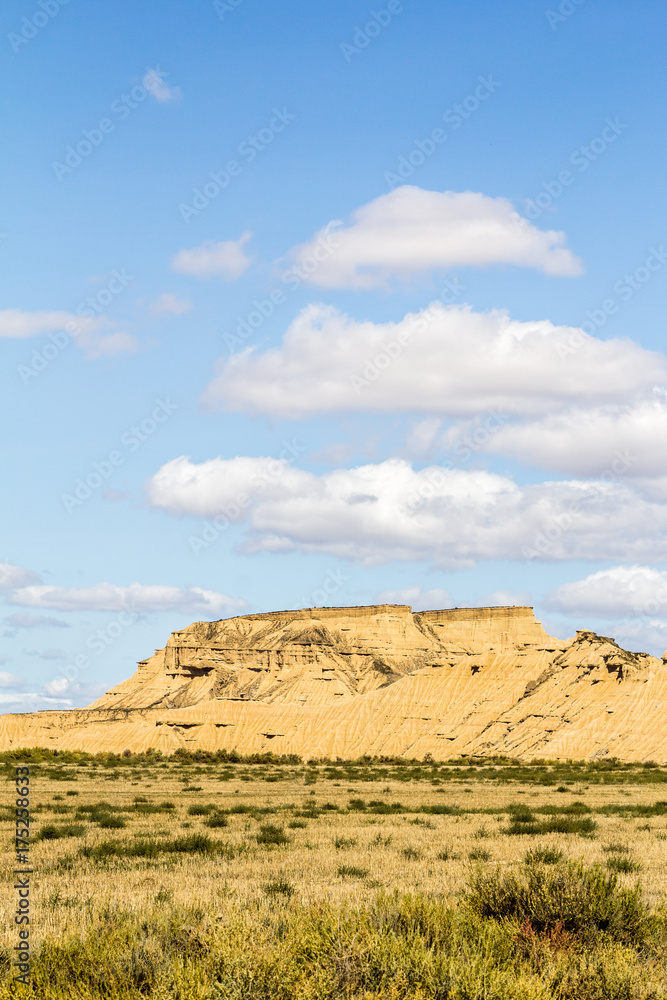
{"points": [[341, 682]]}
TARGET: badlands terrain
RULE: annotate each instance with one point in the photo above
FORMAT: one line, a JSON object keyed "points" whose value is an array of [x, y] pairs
{"points": [[378, 680]]}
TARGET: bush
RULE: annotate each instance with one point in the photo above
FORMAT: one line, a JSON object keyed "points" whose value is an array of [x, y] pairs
{"points": [[623, 865], [582, 900], [216, 821], [112, 823], [543, 856], [342, 843], [351, 871], [279, 887], [52, 832], [199, 810], [269, 834]]}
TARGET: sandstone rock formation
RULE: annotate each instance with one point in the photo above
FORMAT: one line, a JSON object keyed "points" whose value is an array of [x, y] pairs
{"points": [[328, 682]]}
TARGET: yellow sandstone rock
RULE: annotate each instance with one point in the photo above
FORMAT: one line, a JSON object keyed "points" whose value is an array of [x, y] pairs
{"points": [[341, 682]]}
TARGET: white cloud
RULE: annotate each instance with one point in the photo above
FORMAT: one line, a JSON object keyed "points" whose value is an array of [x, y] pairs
{"points": [[61, 685], [154, 83], [227, 260], [12, 577], [452, 518], [618, 592], [219, 485], [170, 303], [445, 360], [418, 598], [411, 230], [90, 334], [10, 680], [32, 702], [20, 324], [587, 440], [133, 598]]}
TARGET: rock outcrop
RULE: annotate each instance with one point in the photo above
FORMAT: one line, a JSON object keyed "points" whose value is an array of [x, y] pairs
{"points": [[328, 682]]}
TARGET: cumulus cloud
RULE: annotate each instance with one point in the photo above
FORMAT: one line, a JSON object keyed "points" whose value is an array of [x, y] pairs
{"points": [[450, 517], [445, 360], [24, 588], [10, 680], [12, 577], [411, 230], [587, 440], [226, 260], [222, 486], [94, 335], [154, 83], [168, 303], [618, 592], [133, 598]]}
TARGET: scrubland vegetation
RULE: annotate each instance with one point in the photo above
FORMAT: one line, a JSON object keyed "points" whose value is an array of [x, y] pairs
{"points": [[212, 877]]}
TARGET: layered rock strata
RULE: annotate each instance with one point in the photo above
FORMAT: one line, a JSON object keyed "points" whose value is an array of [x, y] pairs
{"points": [[341, 682]]}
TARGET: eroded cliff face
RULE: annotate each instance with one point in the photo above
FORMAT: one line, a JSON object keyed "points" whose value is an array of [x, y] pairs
{"points": [[318, 656], [328, 682]]}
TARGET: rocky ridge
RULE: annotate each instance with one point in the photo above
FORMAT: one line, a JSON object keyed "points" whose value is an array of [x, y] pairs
{"points": [[328, 682]]}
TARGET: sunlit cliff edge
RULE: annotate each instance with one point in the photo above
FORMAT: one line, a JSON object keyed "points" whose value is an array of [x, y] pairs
{"points": [[380, 680]]}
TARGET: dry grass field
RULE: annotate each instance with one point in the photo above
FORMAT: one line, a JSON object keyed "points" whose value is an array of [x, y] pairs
{"points": [[193, 880]]}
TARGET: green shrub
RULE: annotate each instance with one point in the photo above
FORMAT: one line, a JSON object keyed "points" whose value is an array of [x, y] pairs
{"points": [[623, 865], [270, 834], [279, 887], [615, 847], [297, 824], [342, 843], [411, 854], [111, 822], [581, 899], [216, 821], [200, 810], [479, 854], [52, 832], [351, 871], [543, 856]]}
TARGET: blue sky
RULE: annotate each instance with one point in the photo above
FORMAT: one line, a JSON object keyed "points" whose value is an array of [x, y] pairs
{"points": [[175, 419]]}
